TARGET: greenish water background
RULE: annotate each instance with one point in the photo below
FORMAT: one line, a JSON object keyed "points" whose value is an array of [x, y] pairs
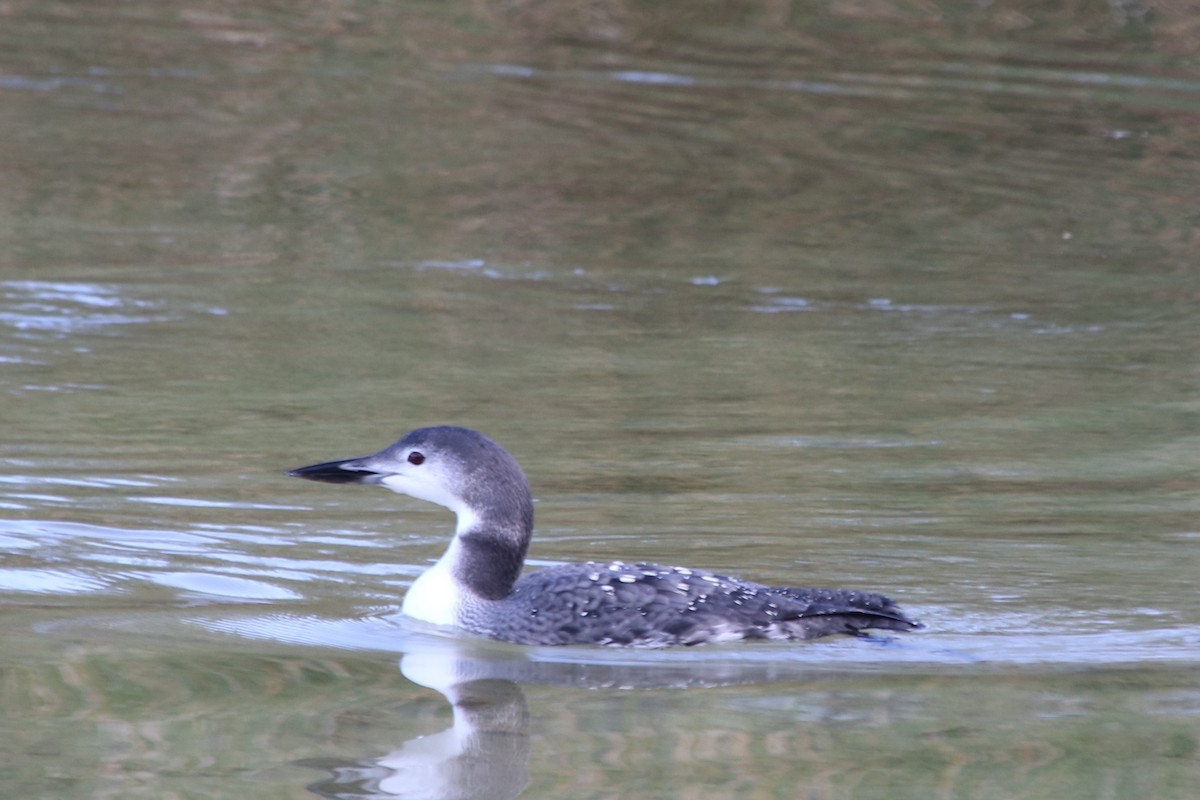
{"points": [[888, 295]]}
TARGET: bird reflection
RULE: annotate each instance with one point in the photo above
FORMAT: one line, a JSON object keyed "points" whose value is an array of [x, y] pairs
{"points": [[484, 754]]}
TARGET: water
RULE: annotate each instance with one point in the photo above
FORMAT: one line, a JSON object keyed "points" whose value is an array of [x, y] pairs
{"points": [[895, 297]]}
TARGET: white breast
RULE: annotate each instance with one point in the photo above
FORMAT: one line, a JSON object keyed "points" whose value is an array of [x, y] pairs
{"points": [[435, 596]]}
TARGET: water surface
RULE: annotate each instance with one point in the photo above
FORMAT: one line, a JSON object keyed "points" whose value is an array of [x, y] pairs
{"points": [[894, 297]]}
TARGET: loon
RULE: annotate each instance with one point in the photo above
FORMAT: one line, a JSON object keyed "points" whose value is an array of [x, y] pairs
{"points": [[477, 586]]}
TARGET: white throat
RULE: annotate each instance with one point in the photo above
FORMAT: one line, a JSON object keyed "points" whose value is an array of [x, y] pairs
{"points": [[436, 596]]}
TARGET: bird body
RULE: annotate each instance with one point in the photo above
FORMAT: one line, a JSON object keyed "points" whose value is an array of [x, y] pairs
{"points": [[477, 585]]}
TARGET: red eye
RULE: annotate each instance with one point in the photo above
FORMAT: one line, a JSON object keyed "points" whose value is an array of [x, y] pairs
{"points": [[416, 458]]}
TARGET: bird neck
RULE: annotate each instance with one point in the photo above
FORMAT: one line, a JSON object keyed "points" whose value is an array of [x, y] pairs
{"points": [[489, 547]]}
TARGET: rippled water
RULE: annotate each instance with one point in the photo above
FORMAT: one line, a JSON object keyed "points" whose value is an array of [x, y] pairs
{"points": [[886, 296]]}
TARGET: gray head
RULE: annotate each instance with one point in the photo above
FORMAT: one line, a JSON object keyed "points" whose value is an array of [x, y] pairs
{"points": [[458, 468]]}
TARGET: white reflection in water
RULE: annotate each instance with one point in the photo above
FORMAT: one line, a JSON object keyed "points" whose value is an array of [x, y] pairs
{"points": [[60, 309]]}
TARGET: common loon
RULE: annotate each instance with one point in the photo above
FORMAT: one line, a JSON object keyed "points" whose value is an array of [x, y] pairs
{"points": [[477, 585]]}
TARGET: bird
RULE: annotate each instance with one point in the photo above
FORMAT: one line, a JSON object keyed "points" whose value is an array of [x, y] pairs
{"points": [[477, 586]]}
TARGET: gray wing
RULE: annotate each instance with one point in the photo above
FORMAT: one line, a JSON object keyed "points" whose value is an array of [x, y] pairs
{"points": [[650, 605]]}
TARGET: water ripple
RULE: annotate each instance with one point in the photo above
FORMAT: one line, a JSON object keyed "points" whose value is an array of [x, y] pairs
{"points": [[49, 581], [57, 309], [954, 78]]}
